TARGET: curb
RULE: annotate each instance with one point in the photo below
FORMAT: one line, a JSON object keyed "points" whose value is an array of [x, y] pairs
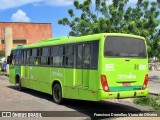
{"points": [[156, 94], [157, 81], [5, 74]]}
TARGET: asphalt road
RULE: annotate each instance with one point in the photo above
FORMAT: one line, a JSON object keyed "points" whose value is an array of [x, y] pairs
{"points": [[29, 100], [154, 82]]}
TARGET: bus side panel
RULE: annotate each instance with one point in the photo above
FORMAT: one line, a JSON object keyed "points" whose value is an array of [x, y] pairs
{"points": [[78, 77], [69, 77], [33, 78], [14, 70], [57, 74], [25, 77], [78, 87], [94, 80], [88, 91], [39, 79], [24, 81], [69, 84], [85, 94], [22, 71], [86, 77], [70, 92], [43, 78], [12, 74], [18, 70]]}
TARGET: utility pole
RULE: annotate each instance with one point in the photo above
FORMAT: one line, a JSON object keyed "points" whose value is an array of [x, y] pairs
{"points": [[8, 44]]}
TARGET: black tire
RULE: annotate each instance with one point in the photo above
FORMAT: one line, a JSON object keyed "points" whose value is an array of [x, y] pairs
{"points": [[57, 94], [20, 88]]}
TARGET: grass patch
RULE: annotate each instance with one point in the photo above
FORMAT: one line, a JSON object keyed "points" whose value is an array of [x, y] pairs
{"points": [[149, 101]]}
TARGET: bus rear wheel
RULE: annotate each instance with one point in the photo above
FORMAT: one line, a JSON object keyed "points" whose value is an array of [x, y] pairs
{"points": [[57, 94]]}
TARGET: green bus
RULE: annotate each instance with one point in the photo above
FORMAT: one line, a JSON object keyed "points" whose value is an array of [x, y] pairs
{"points": [[93, 67]]}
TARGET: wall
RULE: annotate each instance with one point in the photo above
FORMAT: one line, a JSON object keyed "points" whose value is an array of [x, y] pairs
{"points": [[32, 32]]}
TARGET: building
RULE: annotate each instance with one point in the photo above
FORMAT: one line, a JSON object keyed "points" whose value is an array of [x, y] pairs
{"points": [[25, 33]]}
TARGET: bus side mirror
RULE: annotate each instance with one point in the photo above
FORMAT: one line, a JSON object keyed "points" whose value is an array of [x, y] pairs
{"points": [[8, 59]]}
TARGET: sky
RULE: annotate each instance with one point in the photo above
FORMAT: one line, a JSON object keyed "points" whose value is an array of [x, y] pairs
{"points": [[39, 11]]}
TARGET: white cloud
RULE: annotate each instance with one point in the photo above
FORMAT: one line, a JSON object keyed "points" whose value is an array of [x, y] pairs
{"points": [[58, 2], [20, 16], [7, 4]]}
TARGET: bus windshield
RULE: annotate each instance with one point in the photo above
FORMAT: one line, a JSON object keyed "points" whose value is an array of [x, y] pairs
{"points": [[119, 46]]}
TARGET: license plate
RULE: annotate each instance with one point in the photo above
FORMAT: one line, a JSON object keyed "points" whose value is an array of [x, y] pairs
{"points": [[127, 84]]}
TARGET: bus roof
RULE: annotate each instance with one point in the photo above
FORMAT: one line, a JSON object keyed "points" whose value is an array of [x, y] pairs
{"points": [[66, 39]]}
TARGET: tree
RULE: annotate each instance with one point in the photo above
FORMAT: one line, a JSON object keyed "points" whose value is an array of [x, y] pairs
{"points": [[158, 2], [117, 17], [2, 53]]}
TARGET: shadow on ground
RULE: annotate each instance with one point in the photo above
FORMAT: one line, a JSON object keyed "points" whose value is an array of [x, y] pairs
{"points": [[85, 108]]}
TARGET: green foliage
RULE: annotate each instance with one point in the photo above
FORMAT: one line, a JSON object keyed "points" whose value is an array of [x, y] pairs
{"points": [[149, 101], [119, 17], [2, 53]]}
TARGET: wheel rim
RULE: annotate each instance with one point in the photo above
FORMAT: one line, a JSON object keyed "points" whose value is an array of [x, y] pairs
{"points": [[57, 93]]}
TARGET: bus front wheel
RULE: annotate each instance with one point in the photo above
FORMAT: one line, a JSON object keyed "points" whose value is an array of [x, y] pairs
{"points": [[57, 94], [20, 88]]}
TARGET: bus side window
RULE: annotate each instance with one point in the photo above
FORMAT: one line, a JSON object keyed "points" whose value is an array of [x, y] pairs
{"points": [[55, 55], [40, 56], [30, 52], [33, 53], [30, 56], [94, 54], [22, 57], [27, 56], [86, 56], [44, 56], [49, 56], [79, 56], [12, 58], [74, 56], [37, 56], [61, 56], [17, 57], [69, 56]]}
